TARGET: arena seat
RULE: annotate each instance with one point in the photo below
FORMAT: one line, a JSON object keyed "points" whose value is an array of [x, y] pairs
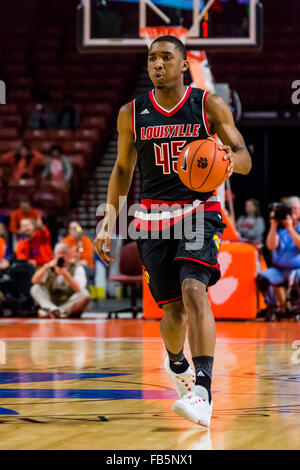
{"points": [[35, 134], [10, 108], [21, 82], [60, 134], [11, 121], [104, 108], [98, 122], [20, 95], [79, 146], [8, 133], [83, 134], [7, 145]]}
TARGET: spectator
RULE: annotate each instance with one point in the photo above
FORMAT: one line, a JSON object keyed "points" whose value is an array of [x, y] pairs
{"points": [[68, 116], [23, 162], [25, 211], [251, 225], [82, 249], [42, 117], [36, 246], [285, 246], [60, 286], [58, 167], [3, 247], [58, 171]]}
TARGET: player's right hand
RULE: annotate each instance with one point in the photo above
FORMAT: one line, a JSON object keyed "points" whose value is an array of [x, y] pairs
{"points": [[102, 246]]}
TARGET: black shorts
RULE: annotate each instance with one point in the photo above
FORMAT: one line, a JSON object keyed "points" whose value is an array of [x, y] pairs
{"points": [[169, 261]]}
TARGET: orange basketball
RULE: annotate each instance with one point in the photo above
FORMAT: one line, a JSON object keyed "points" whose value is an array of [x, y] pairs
{"points": [[201, 166]]}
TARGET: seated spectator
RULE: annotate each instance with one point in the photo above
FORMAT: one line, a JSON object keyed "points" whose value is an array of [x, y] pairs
{"points": [[43, 117], [68, 116], [25, 211], [58, 167], [36, 245], [4, 263], [58, 171], [82, 250], [23, 162], [251, 225], [285, 246], [60, 286]]}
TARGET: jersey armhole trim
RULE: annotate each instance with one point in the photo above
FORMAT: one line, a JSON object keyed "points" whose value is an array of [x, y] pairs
{"points": [[206, 124], [133, 119]]}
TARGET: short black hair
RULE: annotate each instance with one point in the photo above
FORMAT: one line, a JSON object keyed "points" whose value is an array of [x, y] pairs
{"points": [[56, 147], [178, 44]]}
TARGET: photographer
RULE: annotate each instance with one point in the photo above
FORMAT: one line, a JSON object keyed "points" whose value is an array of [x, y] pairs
{"points": [[284, 242], [60, 286]]}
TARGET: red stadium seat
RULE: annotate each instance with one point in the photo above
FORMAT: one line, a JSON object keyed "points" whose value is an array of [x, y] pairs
{"points": [[15, 57], [82, 95], [7, 145], [44, 57], [10, 108], [59, 134], [105, 95], [99, 108], [20, 95], [21, 82], [35, 134], [98, 122], [83, 134], [79, 146], [47, 43], [52, 82], [15, 70], [49, 71], [78, 159], [42, 146], [10, 121], [8, 133]]}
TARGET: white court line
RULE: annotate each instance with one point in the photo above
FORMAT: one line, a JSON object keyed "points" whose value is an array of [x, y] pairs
{"points": [[137, 340]]}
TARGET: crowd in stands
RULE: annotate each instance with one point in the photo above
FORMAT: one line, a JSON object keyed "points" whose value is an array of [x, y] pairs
{"points": [[54, 282]]}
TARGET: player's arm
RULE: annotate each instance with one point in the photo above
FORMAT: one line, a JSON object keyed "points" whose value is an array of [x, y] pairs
{"points": [[221, 121], [119, 182]]}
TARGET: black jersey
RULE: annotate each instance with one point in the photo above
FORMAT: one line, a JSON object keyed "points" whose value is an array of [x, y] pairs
{"points": [[160, 135]]}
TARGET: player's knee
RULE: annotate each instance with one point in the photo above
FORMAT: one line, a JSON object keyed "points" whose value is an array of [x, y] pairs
{"points": [[195, 297], [175, 312]]}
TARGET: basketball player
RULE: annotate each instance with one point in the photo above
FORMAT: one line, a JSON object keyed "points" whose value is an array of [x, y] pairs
{"points": [[153, 129]]}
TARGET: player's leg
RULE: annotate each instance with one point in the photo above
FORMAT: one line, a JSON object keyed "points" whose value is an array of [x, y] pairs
{"points": [[197, 406], [173, 331], [195, 279], [163, 280]]}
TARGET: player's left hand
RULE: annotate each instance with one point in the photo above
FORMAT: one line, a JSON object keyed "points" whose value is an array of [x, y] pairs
{"points": [[229, 156]]}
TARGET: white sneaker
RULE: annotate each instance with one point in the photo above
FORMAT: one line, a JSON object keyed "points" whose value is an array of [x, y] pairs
{"points": [[195, 409], [184, 382]]}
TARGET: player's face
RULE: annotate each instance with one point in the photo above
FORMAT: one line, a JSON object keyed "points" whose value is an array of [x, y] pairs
{"points": [[165, 65]]}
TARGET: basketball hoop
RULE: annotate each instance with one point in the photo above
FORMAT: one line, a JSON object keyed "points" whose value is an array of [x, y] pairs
{"points": [[152, 32]]}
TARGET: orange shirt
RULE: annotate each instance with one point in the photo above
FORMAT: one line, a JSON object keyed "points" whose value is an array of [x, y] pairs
{"points": [[37, 249], [17, 215], [88, 249], [2, 247], [21, 167]]}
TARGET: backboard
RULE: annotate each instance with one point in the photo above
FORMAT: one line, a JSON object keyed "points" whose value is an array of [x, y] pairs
{"points": [[213, 25]]}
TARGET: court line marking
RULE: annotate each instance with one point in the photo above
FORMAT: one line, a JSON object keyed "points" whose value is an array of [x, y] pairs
{"points": [[138, 339]]}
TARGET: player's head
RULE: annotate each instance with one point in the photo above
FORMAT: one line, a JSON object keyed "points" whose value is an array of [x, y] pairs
{"points": [[167, 61]]}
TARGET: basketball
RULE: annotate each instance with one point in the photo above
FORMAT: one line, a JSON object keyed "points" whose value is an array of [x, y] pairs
{"points": [[201, 166]]}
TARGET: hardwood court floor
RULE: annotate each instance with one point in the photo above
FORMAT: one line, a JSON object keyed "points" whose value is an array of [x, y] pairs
{"points": [[100, 384]]}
